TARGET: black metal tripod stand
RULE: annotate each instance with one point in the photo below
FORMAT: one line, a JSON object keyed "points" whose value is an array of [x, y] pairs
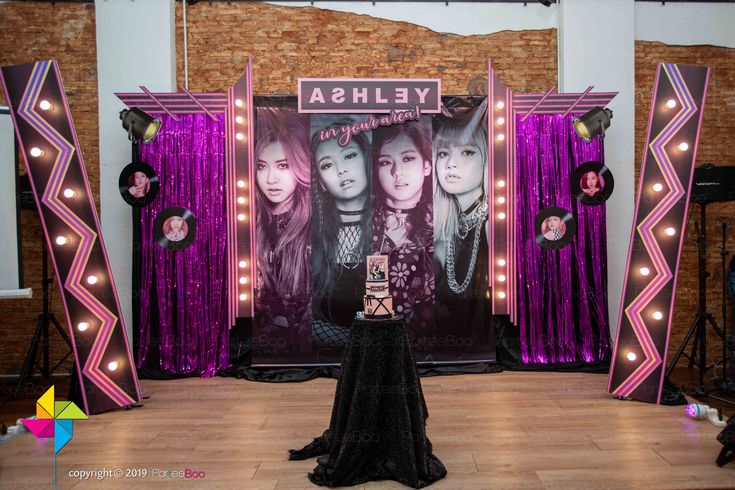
{"points": [[41, 335], [698, 329]]}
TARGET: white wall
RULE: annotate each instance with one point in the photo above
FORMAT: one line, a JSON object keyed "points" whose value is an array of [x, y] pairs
{"points": [[457, 18], [686, 23], [596, 47], [135, 46]]}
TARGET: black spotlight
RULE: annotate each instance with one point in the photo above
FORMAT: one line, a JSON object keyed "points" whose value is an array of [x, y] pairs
{"points": [[139, 125], [593, 123]]}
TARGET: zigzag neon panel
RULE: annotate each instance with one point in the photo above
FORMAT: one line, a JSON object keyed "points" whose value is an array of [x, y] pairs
{"points": [[48, 143], [647, 305]]}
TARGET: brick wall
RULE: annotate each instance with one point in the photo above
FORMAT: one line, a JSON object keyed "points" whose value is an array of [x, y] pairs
{"points": [[715, 146], [31, 31]]}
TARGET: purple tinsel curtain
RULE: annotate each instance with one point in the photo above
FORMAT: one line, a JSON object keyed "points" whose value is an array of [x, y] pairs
{"points": [[562, 294], [183, 317]]}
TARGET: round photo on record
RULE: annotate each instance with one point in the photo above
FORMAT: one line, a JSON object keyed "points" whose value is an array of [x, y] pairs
{"points": [[138, 184], [555, 228], [592, 183], [175, 228]]}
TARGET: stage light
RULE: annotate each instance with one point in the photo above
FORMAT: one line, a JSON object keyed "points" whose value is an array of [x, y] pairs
{"points": [[501, 215], [501, 200], [631, 356], [139, 125], [644, 271], [501, 183], [501, 278], [45, 105], [241, 183], [593, 123], [657, 315], [82, 326], [243, 280], [238, 102], [36, 152], [113, 366], [240, 200], [241, 217], [500, 104], [501, 262], [69, 193], [501, 294], [240, 136], [239, 120], [671, 103], [501, 121], [670, 231], [61, 240], [243, 297], [242, 264], [657, 187], [683, 146], [92, 280], [501, 137]]}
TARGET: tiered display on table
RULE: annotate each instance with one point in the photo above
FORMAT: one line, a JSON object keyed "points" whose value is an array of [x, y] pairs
{"points": [[378, 301]]}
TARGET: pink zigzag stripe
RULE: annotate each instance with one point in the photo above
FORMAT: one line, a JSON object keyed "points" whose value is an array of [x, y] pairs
{"points": [[87, 236], [645, 229]]}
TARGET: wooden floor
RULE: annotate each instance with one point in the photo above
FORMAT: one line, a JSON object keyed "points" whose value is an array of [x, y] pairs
{"points": [[511, 430]]}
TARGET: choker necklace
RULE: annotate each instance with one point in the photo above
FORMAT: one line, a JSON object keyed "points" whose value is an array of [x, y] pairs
{"points": [[395, 218], [351, 213]]}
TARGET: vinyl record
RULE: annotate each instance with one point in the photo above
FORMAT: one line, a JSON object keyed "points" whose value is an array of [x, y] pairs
{"points": [[175, 228], [592, 183], [555, 228], [138, 184]]}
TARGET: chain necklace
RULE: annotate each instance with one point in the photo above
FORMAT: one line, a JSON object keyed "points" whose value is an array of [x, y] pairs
{"points": [[467, 222]]}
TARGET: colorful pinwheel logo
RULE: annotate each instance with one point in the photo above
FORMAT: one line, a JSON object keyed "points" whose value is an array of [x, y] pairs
{"points": [[54, 420]]}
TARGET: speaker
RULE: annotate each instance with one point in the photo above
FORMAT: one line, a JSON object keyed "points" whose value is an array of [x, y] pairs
{"points": [[713, 184]]}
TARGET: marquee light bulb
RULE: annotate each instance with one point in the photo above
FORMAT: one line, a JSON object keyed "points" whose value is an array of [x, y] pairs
{"points": [[82, 326], [243, 280], [238, 102], [61, 240], [243, 297], [36, 152], [240, 136], [657, 315], [644, 271], [500, 104], [501, 183], [45, 105], [683, 146], [671, 103], [501, 200], [243, 264], [113, 366], [657, 187], [501, 294], [239, 120], [671, 231], [501, 262], [631, 356], [241, 217], [92, 280], [240, 200], [501, 278], [501, 137], [501, 215], [241, 183], [501, 121], [69, 193]]}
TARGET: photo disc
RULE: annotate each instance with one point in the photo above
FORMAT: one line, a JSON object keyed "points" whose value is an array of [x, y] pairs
{"points": [[138, 184], [554, 228], [175, 228], [592, 183]]}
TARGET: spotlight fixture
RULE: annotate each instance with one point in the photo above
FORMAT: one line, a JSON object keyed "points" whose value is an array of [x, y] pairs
{"points": [[593, 123], [139, 125]]}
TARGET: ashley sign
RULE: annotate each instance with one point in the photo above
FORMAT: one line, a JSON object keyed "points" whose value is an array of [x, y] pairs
{"points": [[368, 95]]}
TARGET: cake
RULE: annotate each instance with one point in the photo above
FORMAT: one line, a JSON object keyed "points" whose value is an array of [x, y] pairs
{"points": [[377, 300]]}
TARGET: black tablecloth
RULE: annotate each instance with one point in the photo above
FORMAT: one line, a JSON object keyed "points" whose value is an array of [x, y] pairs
{"points": [[378, 425]]}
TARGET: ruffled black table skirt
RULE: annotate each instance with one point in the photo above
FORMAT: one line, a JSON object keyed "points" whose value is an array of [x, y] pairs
{"points": [[378, 425]]}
